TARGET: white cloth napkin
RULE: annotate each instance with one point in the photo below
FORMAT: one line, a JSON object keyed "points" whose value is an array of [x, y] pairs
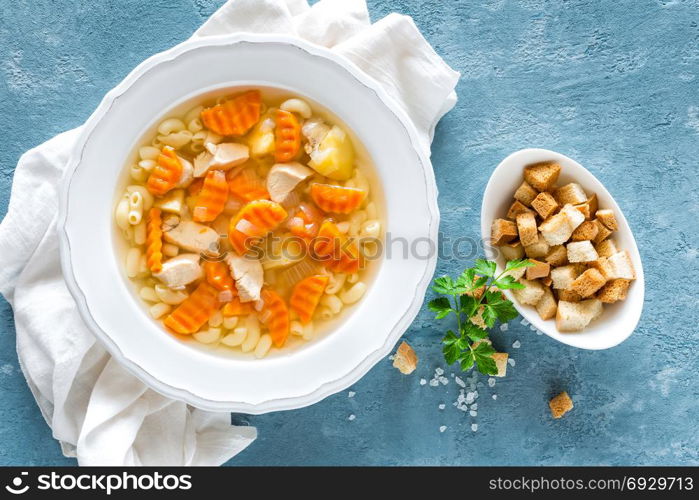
{"points": [[98, 411]]}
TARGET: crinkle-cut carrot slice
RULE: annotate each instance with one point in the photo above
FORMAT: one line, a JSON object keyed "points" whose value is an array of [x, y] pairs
{"points": [[154, 241], [287, 136], [337, 199], [246, 184], [276, 316], [212, 198], [196, 310], [235, 116], [306, 222], [306, 295], [237, 308], [252, 222], [166, 173], [218, 275], [335, 250]]}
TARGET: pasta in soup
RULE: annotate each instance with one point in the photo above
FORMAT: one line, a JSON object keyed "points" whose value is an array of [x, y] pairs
{"points": [[247, 220]]}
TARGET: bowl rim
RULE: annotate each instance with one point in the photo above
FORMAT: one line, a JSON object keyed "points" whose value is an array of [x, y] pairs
{"points": [[328, 387], [570, 339]]}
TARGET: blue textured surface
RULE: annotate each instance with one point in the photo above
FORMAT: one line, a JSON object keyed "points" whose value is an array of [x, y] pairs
{"points": [[613, 84]]}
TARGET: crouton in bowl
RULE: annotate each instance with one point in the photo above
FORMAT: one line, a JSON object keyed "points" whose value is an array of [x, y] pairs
{"points": [[569, 293]]}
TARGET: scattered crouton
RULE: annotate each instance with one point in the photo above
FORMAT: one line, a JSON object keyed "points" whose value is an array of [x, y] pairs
{"points": [[557, 256], [477, 319], [516, 208], [537, 250], [571, 193], [603, 232], [620, 266], [531, 294], [526, 227], [568, 296], [586, 231], [500, 359], [512, 250], [405, 359], [614, 291], [606, 248], [538, 270], [560, 405], [564, 276], [581, 251], [542, 176], [606, 217], [525, 194], [478, 292], [502, 231], [575, 316], [546, 307], [588, 283], [545, 205]]}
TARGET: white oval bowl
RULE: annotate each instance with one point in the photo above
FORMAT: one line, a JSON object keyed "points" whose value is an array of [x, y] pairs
{"points": [[117, 317], [618, 320]]}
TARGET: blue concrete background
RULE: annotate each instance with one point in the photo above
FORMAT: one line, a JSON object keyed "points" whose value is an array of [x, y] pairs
{"points": [[613, 84]]}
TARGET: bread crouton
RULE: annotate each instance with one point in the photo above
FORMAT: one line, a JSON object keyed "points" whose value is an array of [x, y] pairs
{"points": [[512, 250], [557, 256], [537, 250], [589, 207], [547, 281], [525, 194], [564, 276], [572, 193], [405, 359], [606, 217], [560, 405], [531, 294], [559, 228], [502, 231], [586, 231], [526, 227], [603, 232], [542, 176], [538, 270], [477, 319], [575, 316], [516, 208], [568, 296], [588, 283], [620, 266], [544, 204], [546, 307], [600, 264], [581, 251], [614, 291], [606, 248]]}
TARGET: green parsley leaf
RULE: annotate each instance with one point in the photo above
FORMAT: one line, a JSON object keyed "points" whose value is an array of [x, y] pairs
{"points": [[441, 306], [466, 361], [516, 264], [507, 282], [485, 267], [443, 285]]}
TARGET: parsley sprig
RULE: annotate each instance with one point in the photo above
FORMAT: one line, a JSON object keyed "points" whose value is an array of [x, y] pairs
{"points": [[475, 294]]}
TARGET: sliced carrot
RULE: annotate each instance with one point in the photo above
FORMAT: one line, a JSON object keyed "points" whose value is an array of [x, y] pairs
{"points": [[166, 173], [306, 222], [337, 199], [246, 184], [218, 275], [338, 252], [154, 241], [235, 116], [195, 187], [276, 315], [212, 197], [252, 222], [237, 308], [196, 310], [306, 295], [287, 136]]}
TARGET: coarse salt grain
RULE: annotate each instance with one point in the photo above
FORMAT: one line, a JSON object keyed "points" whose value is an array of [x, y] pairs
{"points": [[474, 427], [391, 357], [442, 406], [538, 332], [524, 322], [444, 380], [459, 381], [434, 382], [442, 428], [423, 381], [495, 396], [474, 406], [511, 362], [491, 382], [473, 413], [516, 344], [351, 394], [439, 371], [504, 327], [351, 417]]}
